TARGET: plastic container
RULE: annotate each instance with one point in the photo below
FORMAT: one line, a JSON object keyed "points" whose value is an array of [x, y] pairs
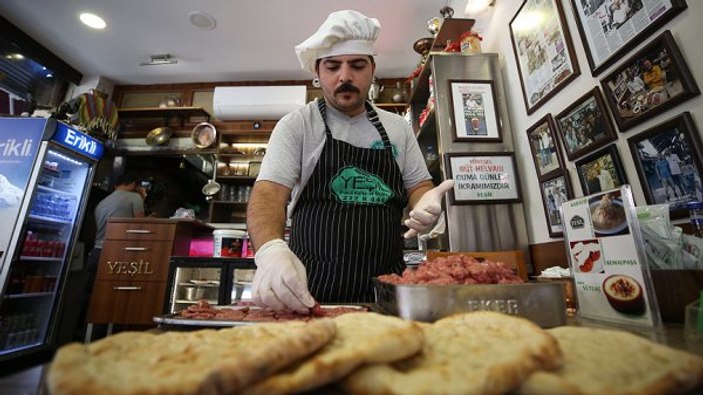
{"points": [[230, 243]]}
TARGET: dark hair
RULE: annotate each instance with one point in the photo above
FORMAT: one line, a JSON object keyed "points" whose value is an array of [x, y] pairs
{"points": [[126, 179]]}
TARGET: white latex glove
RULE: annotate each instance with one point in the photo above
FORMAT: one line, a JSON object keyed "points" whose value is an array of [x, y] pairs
{"points": [[427, 209], [280, 280]]}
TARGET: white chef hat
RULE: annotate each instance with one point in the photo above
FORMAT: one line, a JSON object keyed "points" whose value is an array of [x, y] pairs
{"points": [[345, 32]]}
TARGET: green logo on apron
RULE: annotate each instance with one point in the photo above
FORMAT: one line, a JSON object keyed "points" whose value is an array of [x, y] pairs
{"points": [[353, 185], [378, 144]]}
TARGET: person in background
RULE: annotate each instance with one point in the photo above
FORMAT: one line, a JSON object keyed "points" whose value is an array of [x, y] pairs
{"points": [[127, 200], [676, 174], [664, 175], [349, 169], [652, 75]]}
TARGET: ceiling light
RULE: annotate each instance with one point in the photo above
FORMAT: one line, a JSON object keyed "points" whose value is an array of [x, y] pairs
{"points": [[202, 20], [474, 7], [92, 20], [15, 56], [157, 60]]}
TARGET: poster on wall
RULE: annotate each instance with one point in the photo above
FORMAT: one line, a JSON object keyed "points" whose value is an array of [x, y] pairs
{"points": [[481, 178], [607, 259], [611, 28], [543, 50]]}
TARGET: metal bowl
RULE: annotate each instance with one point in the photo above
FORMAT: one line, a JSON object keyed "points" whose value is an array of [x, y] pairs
{"points": [[542, 303], [204, 135], [159, 136]]}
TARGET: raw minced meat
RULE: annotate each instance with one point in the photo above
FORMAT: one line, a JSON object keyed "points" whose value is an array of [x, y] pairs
{"points": [[455, 269]]}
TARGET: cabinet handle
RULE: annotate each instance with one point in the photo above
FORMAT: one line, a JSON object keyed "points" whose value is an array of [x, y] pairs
{"points": [[136, 248], [138, 231], [127, 288]]}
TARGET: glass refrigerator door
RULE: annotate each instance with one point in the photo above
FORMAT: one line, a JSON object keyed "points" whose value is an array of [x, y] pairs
{"points": [[40, 259]]}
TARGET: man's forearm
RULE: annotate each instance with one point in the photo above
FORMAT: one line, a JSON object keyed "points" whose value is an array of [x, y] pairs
{"points": [[266, 214]]}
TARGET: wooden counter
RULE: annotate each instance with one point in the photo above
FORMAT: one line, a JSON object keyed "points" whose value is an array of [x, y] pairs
{"points": [[131, 279]]}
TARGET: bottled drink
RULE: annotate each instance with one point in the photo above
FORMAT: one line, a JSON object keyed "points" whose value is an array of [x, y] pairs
{"points": [[695, 212]]}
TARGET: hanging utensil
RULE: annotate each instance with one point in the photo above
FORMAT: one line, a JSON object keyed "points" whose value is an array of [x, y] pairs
{"points": [[204, 135], [159, 136], [212, 187]]}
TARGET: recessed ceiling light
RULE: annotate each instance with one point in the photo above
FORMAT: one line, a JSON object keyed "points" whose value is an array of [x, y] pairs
{"points": [[202, 20], [92, 20]]}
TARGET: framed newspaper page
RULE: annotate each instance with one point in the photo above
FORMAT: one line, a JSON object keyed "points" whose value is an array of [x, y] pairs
{"points": [[475, 111], [611, 28], [543, 51]]}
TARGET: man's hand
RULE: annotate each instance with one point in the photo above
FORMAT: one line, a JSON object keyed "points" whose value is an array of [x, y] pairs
{"points": [[280, 280], [427, 209]]}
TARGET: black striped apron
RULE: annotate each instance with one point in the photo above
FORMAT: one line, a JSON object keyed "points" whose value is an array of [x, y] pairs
{"points": [[346, 226]]}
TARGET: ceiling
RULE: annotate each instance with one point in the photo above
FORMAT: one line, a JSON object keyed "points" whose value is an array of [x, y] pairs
{"points": [[252, 40]]}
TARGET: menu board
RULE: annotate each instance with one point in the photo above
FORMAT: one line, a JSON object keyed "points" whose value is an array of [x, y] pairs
{"points": [[607, 259]]}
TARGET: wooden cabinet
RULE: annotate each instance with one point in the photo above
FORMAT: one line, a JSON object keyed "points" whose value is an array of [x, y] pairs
{"points": [[130, 284]]}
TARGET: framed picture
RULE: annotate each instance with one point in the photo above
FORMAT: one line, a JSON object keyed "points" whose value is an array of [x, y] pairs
{"points": [[601, 171], [668, 162], [483, 177], [653, 80], [543, 50], [474, 110], [555, 191], [544, 147], [611, 28], [585, 125]]}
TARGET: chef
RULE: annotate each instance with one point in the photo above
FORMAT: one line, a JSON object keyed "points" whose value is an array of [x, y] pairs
{"points": [[345, 170]]}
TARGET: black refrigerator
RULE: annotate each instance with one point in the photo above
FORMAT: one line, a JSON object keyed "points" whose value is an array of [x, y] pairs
{"points": [[219, 281], [46, 169]]}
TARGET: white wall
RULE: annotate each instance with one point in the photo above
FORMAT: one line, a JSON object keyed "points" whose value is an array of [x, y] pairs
{"points": [[687, 29]]}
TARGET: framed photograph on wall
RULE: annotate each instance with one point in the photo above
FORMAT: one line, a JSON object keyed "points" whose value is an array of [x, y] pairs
{"points": [[543, 51], [611, 28], [585, 125], [555, 191], [483, 177], [653, 80], [474, 110], [668, 162], [544, 147], [601, 171]]}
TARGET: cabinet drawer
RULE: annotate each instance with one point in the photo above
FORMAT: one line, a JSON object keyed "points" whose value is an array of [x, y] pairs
{"points": [[139, 231], [134, 260], [126, 302]]}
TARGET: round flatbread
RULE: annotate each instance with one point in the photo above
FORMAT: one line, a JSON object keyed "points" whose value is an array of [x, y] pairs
{"points": [[471, 353], [361, 338], [199, 362]]}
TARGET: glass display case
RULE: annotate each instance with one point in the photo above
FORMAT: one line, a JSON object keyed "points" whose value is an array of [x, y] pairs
{"points": [[219, 281]]}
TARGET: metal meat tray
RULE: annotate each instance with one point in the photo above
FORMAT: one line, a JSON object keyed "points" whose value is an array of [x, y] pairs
{"points": [[542, 303]]}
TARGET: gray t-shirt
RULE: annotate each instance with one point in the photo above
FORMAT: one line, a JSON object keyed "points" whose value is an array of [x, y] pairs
{"points": [[297, 141], [117, 204]]}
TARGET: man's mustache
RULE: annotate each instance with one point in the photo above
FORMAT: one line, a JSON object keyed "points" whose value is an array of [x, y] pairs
{"points": [[347, 87]]}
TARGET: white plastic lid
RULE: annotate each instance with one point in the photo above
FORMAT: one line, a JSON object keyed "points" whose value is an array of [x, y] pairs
{"points": [[230, 233]]}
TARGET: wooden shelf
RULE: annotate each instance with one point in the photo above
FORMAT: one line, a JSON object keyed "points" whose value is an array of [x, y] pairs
{"points": [[162, 112]]}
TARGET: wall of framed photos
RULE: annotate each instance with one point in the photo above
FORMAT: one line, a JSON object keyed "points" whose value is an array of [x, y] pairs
{"points": [[639, 119]]}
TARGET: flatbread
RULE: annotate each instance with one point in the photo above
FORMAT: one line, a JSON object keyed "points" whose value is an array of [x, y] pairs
{"points": [[199, 362], [472, 353], [361, 338], [606, 361]]}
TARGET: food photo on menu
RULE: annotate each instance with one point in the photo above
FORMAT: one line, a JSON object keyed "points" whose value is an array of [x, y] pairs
{"points": [[608, 214], [588, 256]]}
